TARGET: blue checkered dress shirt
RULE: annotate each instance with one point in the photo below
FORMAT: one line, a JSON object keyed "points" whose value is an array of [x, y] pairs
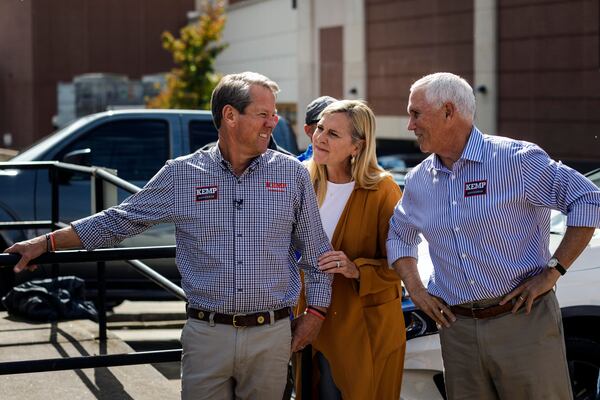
{"points": [[235, 235], [487, 220]]}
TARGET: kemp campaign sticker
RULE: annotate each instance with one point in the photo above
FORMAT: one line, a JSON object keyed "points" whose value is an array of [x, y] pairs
{"points": [[207, 193], [276, 186], [475, 188]]}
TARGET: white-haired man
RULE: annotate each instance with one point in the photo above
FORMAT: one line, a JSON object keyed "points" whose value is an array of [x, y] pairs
{"points": [[483, 204]]}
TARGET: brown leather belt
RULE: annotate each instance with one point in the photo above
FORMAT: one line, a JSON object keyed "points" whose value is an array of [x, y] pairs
{"points": [[481, 313], [487, 312], [239, 320]]}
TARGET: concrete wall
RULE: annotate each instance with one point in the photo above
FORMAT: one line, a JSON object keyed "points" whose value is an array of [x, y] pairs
{"points": [[262, 37], [549, 75], [53, 41], [316, 19], [16, 74], [409, 39]]}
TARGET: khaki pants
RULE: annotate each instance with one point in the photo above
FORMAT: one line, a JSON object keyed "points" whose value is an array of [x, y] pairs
{"points": [[511, 356], [223, 362]]}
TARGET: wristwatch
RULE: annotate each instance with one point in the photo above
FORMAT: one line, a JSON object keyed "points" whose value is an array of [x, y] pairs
{"points": [[554, 263]]}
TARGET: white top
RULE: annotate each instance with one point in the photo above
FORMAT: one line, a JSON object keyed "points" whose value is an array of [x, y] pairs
{"points": [[335, 200]]}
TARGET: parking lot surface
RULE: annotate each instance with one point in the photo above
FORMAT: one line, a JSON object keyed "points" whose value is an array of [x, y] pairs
{"points": [[21, 340]]}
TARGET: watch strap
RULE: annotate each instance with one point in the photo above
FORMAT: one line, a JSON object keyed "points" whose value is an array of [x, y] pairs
{"points": [[558, 266]]}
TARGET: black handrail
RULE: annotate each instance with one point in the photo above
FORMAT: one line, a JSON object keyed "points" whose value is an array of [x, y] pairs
{"points": [[95, 171], [130, 254], [158, 279], [46, 165], [27, 225], [66, 256], [106, 360], [115, 180], [100, 256]]}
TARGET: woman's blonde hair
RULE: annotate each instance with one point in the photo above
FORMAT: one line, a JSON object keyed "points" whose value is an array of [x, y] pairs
{"points": [[365, 171]]}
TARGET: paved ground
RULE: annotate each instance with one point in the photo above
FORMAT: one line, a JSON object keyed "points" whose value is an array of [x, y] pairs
{"points": [[151, 325], [21, 340]]}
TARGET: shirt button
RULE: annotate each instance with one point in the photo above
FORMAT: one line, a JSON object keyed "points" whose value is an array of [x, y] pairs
{"points": [[464, 255], [454, 202], [452, 177], [456, 229], [472, 282]]}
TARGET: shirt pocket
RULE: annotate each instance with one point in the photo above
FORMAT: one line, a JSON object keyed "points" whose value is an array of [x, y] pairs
{"points": [[277, 215]]}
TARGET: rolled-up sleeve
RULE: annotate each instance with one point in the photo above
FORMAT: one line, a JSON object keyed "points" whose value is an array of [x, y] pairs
{"points": [[552, 184], [151, 205], [311, 241], [403, 237]]}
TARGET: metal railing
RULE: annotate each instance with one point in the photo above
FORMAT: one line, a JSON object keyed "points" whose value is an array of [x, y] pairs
{"points": [[132, 255]]}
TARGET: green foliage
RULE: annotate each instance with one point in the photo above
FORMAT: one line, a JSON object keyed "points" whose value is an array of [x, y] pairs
{"points": [[191, 83]]}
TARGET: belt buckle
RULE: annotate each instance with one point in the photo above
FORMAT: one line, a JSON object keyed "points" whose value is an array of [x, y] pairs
{"points": [[235, 325], [474, 310]]}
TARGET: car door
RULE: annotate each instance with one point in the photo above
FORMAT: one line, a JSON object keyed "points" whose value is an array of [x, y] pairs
{"points": [[136, 147]]}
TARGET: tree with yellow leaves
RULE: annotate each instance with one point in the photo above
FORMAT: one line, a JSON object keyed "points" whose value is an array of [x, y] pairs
{"points": [[190, 84]]}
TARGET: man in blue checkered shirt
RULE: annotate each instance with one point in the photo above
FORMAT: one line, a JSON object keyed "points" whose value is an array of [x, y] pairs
{"points": [[239, 210]]}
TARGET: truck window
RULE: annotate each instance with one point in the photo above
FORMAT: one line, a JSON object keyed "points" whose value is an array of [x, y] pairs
{"points": [[136, 148], [201, 133]]}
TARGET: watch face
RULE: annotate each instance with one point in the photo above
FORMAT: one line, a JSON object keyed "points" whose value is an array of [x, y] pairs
{"points": [[552, 262]]}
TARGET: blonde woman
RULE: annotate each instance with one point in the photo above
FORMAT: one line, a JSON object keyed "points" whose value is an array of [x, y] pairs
{"points": [[359, 351]]}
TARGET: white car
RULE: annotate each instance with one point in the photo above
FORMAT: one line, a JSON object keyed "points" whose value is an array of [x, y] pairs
{"points": [[578, 293]]}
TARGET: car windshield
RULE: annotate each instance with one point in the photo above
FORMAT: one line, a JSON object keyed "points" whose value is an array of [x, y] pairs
{"points": [[37, 149]]}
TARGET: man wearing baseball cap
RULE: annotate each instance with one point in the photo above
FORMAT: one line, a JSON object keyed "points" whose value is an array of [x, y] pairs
{"points": [[313, 111]]}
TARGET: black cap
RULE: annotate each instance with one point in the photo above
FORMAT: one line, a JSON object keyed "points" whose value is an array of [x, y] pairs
{"points": [[314, 109]]}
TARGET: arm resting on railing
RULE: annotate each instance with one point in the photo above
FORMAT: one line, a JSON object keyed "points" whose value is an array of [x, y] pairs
{"points": [[33, 248]]}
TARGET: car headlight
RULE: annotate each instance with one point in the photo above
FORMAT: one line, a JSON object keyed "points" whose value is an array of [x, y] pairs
{"points": [[416, 321]]}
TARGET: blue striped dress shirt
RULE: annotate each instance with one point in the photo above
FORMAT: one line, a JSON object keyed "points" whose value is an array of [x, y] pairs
{"points": [[235, 235], [487, 220]]}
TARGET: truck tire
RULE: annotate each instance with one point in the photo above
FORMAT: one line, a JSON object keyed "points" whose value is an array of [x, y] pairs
{"points": [[583, 358]]}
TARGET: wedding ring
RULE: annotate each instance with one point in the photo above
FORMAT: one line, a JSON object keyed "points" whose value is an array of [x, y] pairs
{"points": [[522, 298], [337, 263]]}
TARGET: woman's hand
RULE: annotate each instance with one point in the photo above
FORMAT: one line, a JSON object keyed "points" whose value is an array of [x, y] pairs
{"points": [[336, 262]]}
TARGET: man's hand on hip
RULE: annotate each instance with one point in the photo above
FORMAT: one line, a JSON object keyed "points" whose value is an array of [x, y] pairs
{"points": [[305, 329], [436, 309], [430, 305], [528, 291]]}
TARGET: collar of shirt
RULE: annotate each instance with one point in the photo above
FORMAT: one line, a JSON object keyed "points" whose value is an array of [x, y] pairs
{"points": [[217, 157], [473, 151]]}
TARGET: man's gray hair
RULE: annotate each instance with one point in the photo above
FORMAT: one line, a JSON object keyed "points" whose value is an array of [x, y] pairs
{"points": [[443, 87], [234, 89]]}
